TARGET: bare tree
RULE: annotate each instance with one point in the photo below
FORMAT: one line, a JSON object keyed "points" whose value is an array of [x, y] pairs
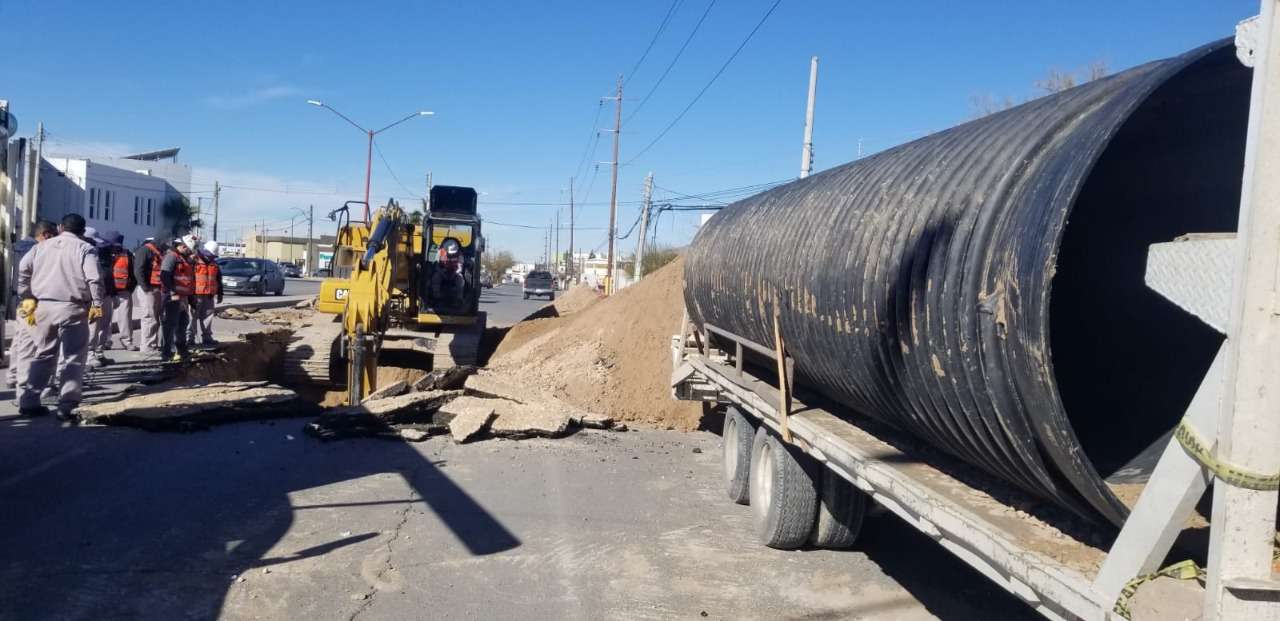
{"points": [[984, 104], [1055, 82]]}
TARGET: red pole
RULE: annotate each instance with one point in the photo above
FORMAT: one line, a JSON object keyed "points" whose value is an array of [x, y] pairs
{"points": [[368, 172]]}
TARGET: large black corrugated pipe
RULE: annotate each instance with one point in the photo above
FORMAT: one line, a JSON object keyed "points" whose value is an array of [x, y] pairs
{"points": [[982, 287]]}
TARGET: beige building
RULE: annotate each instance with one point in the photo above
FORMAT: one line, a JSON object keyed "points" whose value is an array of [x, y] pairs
{"points": [[284, 249]]}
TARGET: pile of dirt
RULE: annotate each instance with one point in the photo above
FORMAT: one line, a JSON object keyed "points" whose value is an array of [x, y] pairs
{"points": [[577, 298], [612, 356], [292, 317]]}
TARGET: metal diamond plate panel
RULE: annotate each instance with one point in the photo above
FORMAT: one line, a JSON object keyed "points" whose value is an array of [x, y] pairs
{"points": [[1195, 273]]}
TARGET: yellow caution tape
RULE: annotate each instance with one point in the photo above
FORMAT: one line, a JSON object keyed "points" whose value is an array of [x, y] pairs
{"points": [[1185, 570], [1195, 446]]}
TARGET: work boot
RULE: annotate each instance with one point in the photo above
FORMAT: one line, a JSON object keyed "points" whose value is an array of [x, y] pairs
{"points": [[66, 412], [174, 358], [38, 410], [210, 343]]}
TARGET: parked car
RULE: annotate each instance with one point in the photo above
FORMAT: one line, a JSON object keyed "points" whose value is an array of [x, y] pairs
{"points": [[290, 270], [539, 283], [251, 276], [486, 280], [324, 272]]}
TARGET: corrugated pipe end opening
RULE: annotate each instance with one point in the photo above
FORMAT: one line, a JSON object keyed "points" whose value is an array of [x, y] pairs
{"points": [[1126, 361]]}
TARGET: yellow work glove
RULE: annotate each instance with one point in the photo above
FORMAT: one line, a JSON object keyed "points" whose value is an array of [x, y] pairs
{"points": [[95, 313], [27, 311]]}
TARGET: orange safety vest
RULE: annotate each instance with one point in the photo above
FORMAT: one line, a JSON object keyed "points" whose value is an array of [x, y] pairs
{"points": [[120, 271], [183, 277], [156, 258], [207, 276]]}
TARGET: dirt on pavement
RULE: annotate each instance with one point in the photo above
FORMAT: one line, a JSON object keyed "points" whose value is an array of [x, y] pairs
{"points": [[609, 356]]}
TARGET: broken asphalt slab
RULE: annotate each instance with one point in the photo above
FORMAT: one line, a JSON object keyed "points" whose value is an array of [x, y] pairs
{"points": [[471, 415], [181, 407]]}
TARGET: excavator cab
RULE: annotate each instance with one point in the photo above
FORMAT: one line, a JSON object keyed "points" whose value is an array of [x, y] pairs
{"points": [[449, 291]]}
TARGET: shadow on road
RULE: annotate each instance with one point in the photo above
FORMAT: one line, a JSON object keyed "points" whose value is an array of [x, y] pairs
{"points": [[116, 523]]}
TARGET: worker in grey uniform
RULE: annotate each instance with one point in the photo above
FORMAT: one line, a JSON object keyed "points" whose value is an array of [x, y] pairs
{"points": [[21, 349], [177, 278], [150, 299], [61, 293], [100, 330]]}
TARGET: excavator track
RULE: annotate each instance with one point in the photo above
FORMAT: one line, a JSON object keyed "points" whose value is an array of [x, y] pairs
{"points": [[457, 345], [312, 354]]}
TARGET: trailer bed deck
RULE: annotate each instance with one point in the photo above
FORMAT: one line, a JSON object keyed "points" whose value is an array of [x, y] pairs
{"points": [[1002, 533]]}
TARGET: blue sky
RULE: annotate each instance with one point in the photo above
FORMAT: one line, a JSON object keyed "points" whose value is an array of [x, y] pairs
{"points": [[516, 86]]}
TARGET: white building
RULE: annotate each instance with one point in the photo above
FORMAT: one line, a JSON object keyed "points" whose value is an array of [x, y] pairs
{"points": [[126, 195]]}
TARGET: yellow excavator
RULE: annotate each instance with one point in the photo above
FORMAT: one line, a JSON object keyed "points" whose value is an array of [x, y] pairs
{"points": [[400, 291]]}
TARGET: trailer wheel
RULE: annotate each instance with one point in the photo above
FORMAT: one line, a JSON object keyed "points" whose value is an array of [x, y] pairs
{"points": [[784, 497], [738, 436], [841, 507]]}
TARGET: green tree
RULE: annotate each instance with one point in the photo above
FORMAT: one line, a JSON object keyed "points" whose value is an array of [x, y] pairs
{"points": [[658, 256], [497, 263], [178, 210]]}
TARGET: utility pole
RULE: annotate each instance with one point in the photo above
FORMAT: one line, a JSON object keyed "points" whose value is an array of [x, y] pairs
{"points": [[217, 192], [806, 157], [33, 202], [312, 257], [613, 193], [557, 262], [644, 226], [572, 266]]}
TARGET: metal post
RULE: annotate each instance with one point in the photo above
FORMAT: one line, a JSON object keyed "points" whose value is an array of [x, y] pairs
{"points": [[644, 226], [217, 192], [613, 193], [312, 256], [573, 267], [806, 157], [1243, 522], [556, 263]]}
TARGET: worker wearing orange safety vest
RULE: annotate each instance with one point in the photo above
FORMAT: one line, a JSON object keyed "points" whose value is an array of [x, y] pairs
{"points": [[146, 272], [125, 281], [208, 290], [178, 283]]}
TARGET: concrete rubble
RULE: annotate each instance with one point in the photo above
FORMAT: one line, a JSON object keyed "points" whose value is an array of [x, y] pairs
{"points": [[394, 389], [471, 416], [528, 420], [197, 405]]}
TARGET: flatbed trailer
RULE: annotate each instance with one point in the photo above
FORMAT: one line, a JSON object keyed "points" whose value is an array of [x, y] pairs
{"points": [[1060, 566], [1000, 540]]}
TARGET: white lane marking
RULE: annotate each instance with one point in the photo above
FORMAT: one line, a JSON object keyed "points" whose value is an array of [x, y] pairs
{"points": [[37, 469]]}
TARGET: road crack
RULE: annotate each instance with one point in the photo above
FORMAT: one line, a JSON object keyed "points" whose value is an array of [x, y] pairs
{"points": [[387, 565]]}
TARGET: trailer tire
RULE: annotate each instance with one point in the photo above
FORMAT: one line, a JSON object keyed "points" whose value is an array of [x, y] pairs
{"points": [[784, 497], [841, 507], [738, 436]]}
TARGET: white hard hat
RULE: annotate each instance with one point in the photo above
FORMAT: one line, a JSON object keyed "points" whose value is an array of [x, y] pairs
{"points": [[189, 240], [211, 247]]}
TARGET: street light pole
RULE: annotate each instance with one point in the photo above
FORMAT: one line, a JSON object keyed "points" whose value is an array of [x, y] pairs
{"points": [[368, 162]]}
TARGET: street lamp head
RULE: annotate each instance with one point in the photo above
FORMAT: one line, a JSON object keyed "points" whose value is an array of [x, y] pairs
{"points": [[426, 113], [315, 102]]}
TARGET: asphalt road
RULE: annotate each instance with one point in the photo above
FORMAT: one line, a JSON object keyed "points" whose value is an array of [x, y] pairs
{"points": [[293, 287], [258, 521], [505, 305]]}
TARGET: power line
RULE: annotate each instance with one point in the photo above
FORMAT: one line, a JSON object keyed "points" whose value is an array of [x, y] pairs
{"points": [[591, 144], [672, 63], [663, 26], [540, 227], [382, 157], [709, 83]]}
